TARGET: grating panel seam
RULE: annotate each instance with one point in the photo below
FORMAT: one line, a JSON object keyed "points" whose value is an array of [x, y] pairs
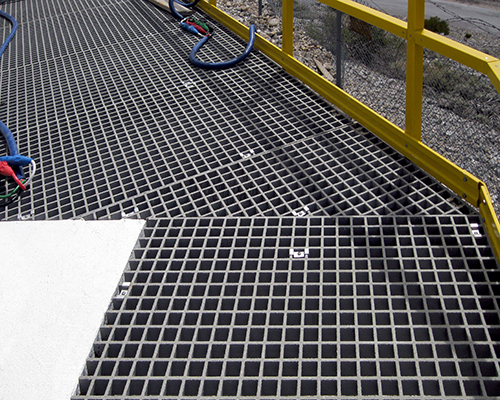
{"points": [[114, 128], [306, 170], [130, 201]]}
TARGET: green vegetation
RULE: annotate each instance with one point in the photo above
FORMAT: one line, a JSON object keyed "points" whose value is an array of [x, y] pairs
{"points": [[436, 24], [468, 95], [456, 88]]}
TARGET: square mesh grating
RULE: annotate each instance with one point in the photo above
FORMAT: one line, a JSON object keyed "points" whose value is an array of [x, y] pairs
{"points": [[320, 307], [102, 96], [338, 173], [109, 114]]}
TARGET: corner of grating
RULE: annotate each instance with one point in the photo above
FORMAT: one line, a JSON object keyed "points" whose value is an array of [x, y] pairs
{"points": [[376, 306]]}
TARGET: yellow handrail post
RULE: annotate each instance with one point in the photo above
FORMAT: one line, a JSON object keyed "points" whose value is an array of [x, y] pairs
{"points": [[414, 69], [491, 224], [213, 2], [287, 27]]}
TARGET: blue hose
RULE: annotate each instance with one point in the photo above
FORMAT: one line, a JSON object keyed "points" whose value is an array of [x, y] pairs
{"points": [[192, 55], [7, 134], [225, 64], [174, 12], [188, 5], [11, 35], [9, 139]]}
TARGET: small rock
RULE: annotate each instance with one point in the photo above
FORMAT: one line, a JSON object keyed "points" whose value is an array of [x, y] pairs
{"points": [[274, 22]]}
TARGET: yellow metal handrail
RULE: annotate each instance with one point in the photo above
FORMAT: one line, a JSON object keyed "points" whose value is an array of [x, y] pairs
{"points": [[407, 141]]}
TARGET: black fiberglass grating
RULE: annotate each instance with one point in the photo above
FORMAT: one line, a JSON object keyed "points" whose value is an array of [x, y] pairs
{"points": [[358, 307], [46, 38], [27, 11], [339, 173], [132, 115]]}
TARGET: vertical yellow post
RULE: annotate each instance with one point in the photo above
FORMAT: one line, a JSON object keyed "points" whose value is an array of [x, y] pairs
{"points": [[287, 27], [414, 70]]}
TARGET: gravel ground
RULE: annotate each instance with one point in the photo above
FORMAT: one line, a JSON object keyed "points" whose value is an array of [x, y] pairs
{"points": [[472, 145]]}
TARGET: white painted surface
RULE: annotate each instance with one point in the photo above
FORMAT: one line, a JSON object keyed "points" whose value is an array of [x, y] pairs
{"points": [[56, 282]]}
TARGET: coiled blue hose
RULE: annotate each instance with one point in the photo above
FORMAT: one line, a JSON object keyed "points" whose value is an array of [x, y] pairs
{"points": [[6, 133], [225, 64], [198, 46], [174, 12]]}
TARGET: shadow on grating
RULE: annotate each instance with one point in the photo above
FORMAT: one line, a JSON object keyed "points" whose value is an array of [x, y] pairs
{"points": [[129, 117], [365, 307], [338, 173], [101, 94], [103, 97]]}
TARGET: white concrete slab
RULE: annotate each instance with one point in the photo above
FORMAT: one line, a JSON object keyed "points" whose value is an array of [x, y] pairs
{"points": [[56, 282]]}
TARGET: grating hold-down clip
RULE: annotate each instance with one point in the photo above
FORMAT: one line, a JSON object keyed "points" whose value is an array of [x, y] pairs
{"points": [[124, 287], [26, 217], [130, 214], [248, 154], [189, 84], [299, 254], [475, 230], [302, 213]]}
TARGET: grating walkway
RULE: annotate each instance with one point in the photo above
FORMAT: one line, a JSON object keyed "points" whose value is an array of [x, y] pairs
{"points": [[387, 289], [102, 95], [318, 307]]}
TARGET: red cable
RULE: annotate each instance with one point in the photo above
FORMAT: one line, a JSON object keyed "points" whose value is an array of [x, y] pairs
{"points": [[6, 170], [198, 27]]}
